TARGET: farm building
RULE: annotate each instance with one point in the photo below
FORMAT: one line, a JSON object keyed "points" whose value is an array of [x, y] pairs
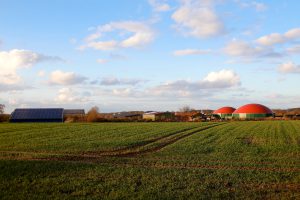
{"points": [[72, 115], [74, 112], [224, 112], [37, 115], [252, 111], [158, 116], [132, 115], [189, 116]]}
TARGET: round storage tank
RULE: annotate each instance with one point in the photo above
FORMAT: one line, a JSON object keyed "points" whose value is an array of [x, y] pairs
{"points": [[252, 111], [224, 112]]}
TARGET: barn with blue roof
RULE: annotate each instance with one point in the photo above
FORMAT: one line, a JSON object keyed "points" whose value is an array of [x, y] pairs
{"points": [[37, 115]]}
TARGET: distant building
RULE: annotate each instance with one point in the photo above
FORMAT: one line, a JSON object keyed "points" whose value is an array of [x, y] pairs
{"points": [[74, 115], [224, 112], [252, 111], [158, 116], [74, 112], [188, 116], [37, 115], [131, 116]]}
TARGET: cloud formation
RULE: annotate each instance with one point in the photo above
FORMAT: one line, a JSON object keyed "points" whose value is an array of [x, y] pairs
{"points": [[59, 77], [247, 51], [198, 19], [13, 87], [15, 59], [277, 38], [258, 6], [68, 95], [132, 34], [159, 5], [185, 52], [110, 81], [294, 49], [214, 80], [289, 67], [102, 61]]}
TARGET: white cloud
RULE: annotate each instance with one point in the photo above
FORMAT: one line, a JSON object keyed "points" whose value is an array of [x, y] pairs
{"points": [[123, 92], [198, 19], [41, 73], [102, 61], [213, 81], [221, 79], [264, 46], [159, 5], [289, 67], [293, 34], [242, 49], [65, 78], [185, 52], [258, 6], [294, 49], [13, 87], [110, 81], [277, 38], [68, 95], [15, 59], [103, 46], [140, 34], [274, 38], [248, 51]]}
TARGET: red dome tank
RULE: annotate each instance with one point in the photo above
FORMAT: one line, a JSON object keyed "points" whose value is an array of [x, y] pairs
{"points": [[253, 109], [224, 110]]}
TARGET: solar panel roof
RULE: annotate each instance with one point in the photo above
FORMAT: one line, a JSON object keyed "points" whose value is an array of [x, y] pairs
{"points": [[37, 113]]}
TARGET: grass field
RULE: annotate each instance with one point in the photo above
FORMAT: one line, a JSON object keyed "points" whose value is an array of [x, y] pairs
{"points": [[243, 160]]}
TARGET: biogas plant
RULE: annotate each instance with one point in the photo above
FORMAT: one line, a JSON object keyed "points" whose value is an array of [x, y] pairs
{"points": [[245, 112]]}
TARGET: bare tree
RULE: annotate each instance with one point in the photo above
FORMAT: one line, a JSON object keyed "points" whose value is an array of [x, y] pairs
{"points": [[2, 106], [92, 114], [186, 109]]}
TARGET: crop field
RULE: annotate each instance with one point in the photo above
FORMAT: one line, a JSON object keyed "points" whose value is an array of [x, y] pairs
{"points": [[220, 160]]}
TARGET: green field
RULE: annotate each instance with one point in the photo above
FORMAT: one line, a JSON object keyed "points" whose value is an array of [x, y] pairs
{"points": [[243, 160]]}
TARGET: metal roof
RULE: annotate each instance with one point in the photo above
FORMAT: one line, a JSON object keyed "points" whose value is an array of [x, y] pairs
{"points": [[37, 114], [74, 112], [253, 109], [224, 110]]}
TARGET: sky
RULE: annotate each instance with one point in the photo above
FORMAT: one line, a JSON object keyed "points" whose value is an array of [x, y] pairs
{"points": [[160, 55]]}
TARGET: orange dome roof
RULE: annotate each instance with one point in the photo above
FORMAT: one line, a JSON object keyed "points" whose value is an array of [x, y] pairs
{"points": [[224, 110], [253, 109]]}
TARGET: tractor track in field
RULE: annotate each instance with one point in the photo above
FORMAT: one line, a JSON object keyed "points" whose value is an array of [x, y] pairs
{"points": [[229, 161], [131, 151], [164, 143], [155, 165], [137, 145], [131, 155], [202, 166]]}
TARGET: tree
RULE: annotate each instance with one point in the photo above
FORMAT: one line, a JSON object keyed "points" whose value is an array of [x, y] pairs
{"points": [[186, 109], [92, 114], [2, 106]]}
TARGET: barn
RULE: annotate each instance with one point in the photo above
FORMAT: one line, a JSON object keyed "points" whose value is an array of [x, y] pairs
{"points": [[37, 115], [224, 112], [74, 112], [252, 111], [74, 115]]}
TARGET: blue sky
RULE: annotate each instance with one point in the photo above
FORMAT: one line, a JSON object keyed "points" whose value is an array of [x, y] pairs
{"points": [[149, 54]]}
